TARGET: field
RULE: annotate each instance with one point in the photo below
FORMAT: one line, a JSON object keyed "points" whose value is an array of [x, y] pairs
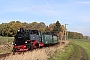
{"points": [[77, 50], [5, 40], [85, 44], [6, 44]]}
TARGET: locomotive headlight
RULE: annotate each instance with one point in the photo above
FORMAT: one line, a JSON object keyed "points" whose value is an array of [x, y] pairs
{"points": [[25, 41], [12, 43]]}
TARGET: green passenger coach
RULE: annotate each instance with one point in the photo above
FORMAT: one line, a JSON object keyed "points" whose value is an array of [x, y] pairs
{"points": [[49, 39], [55, 39]]}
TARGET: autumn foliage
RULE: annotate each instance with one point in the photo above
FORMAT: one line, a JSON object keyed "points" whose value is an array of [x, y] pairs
{"points": [[11, 28]]}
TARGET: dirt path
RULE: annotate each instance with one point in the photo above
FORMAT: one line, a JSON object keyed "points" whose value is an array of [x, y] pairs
{"points": [[78, 53], [83, 54]]}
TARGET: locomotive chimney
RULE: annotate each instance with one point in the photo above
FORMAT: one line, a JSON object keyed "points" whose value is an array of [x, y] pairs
{"points": [[21, 30]]}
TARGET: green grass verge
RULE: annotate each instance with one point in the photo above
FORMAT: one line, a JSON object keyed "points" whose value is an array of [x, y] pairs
{"points": [[75, 55], [59, 55], [73, 50], [64, 55], [84, 44]]}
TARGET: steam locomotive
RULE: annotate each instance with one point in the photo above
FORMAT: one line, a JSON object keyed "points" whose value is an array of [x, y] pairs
{"points": [[29, 39]]}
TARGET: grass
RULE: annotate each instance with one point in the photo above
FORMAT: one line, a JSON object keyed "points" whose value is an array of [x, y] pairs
{"points": [[4, 40], [84, 44], [64, 55], [75, 55], [74, 50], [59, 55]]}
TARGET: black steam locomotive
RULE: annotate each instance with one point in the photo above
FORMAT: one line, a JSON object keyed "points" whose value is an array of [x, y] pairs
{"points": [[29, 39]]}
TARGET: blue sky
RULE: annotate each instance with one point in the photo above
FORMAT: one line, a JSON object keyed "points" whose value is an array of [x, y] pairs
{"points": [[75, 13]]}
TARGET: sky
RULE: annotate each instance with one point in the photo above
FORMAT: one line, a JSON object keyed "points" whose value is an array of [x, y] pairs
{"points": [[75, 13]]}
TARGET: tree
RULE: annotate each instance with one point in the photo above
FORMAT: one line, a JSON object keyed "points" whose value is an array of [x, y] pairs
{"points": [[51, 27], [25, 25], [47, 29], [41, 27], [10, 29], [75, 35], [1, 27], [57, 28]]}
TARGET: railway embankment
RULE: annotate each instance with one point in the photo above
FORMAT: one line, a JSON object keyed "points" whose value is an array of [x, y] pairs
{"points": [[6, 48], [44, 53]]}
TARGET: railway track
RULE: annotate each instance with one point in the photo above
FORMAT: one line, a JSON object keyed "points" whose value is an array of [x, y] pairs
{"points": [[4, 55]]}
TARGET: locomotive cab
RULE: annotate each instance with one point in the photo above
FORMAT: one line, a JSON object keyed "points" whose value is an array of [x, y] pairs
{"points": [[35, 35]]}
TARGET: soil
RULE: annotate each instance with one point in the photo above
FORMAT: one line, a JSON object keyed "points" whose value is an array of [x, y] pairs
{"points": [[82, 57], [6, 48]]}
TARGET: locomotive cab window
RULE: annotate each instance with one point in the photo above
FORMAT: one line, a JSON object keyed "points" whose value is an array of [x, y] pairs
{"points": [[34, 32]]}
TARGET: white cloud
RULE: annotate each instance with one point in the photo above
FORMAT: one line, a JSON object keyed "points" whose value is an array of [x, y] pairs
{"points": [[52, 0], [18, 9], [87, 20], [47, 2], [3, 21], [81, 2], [34, 7], [83, 29], [6, 20], [84, 18]]}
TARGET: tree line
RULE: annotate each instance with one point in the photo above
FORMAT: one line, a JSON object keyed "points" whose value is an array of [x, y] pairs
{"points": [[75, 35], [11, 28]]}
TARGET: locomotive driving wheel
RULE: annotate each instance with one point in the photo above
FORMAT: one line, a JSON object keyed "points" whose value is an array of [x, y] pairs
{"points": [[14, 50], [29, 46]]}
